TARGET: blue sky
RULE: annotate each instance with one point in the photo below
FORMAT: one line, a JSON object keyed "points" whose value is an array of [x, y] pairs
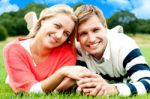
{"points": [[139, 7]]}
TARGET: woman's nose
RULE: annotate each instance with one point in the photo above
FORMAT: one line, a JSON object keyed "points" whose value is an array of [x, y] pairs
{"points": [[59, 34]]}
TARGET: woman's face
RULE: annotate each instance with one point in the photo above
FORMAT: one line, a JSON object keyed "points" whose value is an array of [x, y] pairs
{"points": [[55, 30]]}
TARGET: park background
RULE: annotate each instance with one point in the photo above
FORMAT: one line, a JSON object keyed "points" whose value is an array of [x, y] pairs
{"points": [[133, 15]]}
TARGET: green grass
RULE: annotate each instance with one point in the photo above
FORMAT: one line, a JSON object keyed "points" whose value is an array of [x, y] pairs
{"points": [[6, 93]]}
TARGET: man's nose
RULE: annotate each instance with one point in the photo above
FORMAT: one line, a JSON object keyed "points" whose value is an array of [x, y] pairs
{"points": [[91, 37]]}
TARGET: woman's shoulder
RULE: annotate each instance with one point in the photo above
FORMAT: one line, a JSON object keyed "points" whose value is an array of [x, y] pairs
{"points": [[66, 48], [12, 46]]}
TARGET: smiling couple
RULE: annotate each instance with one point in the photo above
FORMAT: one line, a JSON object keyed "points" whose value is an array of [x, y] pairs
{"points": [[66, 47]]}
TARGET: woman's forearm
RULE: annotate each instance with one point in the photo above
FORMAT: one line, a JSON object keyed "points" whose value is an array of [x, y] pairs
{"points": [[65, 84], [52, 81]]}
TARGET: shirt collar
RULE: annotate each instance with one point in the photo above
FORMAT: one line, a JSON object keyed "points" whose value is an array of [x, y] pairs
{"points": [[106, 54]]}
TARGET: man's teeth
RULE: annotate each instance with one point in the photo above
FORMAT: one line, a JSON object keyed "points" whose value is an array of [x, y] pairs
{"points": [[94, 45]]}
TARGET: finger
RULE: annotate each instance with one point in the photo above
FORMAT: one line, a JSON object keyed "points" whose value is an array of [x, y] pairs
{"points": [[103, 91], [87, 90], [96, 91], [77, 78], [87, 94], [79, 90], [88, 74], [87, 80], [88, 85]]}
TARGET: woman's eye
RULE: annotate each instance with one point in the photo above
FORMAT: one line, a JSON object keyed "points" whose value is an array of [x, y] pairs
{"points": [[67, 34], [57, 26]]}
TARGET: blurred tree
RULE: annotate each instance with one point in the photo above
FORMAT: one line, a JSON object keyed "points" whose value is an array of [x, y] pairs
{"points": [[14, 21], [8, 22], [143, 26], [77, 5], [3, 33], [124, 18], [35, 7]]}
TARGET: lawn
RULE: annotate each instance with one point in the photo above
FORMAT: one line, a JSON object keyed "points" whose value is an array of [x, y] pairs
{"points": [[6, 93]]}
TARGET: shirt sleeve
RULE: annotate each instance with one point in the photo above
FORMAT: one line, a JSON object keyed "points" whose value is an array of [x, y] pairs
{"points": [[18, 69], [137, 70], [36, 88], [80, 60]]}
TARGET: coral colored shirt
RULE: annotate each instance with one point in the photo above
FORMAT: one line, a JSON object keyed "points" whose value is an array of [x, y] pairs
{"points": [[22, 71]]}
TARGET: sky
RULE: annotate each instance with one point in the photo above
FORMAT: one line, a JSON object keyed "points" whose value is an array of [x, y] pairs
{"points": [[141, 8]]}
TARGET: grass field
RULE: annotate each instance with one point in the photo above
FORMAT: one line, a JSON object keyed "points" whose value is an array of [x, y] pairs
{"points": [[6, 93]]}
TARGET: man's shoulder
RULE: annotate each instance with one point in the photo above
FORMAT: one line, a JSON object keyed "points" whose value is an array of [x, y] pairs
{"points": [[117, 29]]}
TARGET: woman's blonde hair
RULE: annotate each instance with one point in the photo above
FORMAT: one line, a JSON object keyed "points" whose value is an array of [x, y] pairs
{"points": [[51, 12]]}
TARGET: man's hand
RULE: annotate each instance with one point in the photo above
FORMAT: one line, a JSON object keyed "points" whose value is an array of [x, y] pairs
{"points": [[94, 85]]}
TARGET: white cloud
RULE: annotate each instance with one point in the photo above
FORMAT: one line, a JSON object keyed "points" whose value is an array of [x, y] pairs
{"points": [[139, 7], [118, 1], [142, 9], [5, 6], [119, 4], [58, 1]]}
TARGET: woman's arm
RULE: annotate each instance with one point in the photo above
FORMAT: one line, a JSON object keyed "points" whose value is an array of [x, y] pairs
{"points": [[52, 82], [65, 84]]}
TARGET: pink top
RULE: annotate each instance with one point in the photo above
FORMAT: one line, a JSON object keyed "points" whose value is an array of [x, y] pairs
{"points": [[22, 71]]}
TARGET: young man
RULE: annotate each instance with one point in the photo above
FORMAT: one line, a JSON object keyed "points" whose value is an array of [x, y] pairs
{"points": [[114, 58]]}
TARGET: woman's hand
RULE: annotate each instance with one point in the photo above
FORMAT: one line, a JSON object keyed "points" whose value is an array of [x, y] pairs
{"points": [[74, 72], [65, 84]]}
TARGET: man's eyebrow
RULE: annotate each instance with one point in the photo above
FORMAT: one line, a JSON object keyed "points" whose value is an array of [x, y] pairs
{"points": [[80, 32]]}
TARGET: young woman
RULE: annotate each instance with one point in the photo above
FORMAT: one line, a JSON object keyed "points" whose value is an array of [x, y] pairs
{"points": [[34, 63]]}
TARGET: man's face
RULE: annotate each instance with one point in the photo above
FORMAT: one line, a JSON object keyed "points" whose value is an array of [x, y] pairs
{"points": [[92, 36]]}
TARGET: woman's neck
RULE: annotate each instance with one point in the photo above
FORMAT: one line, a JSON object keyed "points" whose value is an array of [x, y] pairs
{"points": [[38, 49]]}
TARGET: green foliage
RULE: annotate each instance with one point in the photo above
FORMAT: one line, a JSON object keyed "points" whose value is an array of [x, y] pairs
{"points": [[77, 5], [8, 23], [129, 22], [124, 18], [34, 7], [3, 33], [14, 21], [143, 26]]}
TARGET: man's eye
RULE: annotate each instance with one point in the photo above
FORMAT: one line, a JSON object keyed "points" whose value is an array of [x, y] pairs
{"points": [[83, 34], [96, 30]]}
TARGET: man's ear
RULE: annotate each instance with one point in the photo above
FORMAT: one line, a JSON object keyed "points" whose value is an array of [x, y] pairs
{"points": [[31, 20], [77, 37]]}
